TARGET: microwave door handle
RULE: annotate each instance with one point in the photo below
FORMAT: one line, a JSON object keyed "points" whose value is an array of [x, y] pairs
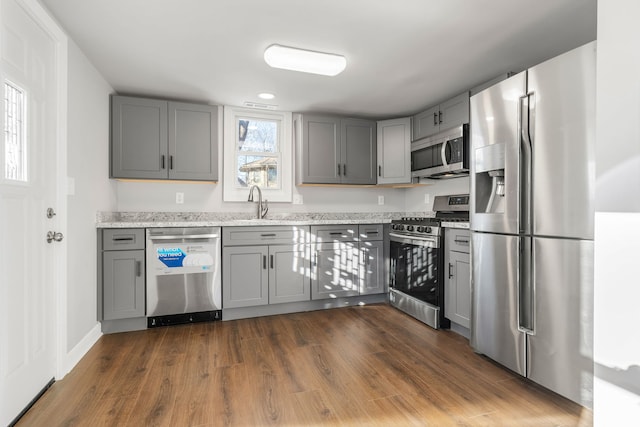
{"points": [[443, 153]]}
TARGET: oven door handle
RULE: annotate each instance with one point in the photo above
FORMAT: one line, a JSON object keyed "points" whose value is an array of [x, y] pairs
{"points": [[430, 242]]}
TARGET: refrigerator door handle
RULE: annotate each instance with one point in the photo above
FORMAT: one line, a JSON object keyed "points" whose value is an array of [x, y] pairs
{"points": [[526, 290], [527, 112]]}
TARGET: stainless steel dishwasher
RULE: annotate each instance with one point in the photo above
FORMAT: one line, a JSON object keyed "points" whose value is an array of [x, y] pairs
{"points": [[183, 275]]}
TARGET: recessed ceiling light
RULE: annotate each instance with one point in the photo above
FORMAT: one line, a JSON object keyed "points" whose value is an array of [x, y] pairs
{"points": [[306, 61], [266, 95]]}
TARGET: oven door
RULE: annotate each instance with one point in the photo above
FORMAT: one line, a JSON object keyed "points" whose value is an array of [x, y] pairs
{"points": [[416, 267]]}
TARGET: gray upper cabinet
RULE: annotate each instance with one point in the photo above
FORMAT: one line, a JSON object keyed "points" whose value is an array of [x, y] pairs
{"points": [[359, 151], [394, 151], [443, 116], [193, 141], [157, 139], [320, 149], [139, 143], [334, 150]]}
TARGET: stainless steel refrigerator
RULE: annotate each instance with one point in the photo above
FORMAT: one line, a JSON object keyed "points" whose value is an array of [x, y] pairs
{"points": [[532, 214]]}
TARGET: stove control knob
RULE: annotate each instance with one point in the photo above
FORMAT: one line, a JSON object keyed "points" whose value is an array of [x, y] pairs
{"points": [[410, 227], [420, 229], [427, 229]]}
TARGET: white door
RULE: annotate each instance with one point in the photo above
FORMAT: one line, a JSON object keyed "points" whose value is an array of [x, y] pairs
{"points": [[29, 273]]}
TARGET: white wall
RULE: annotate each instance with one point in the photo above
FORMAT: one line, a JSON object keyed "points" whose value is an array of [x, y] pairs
{"points": [[415, 197], [154, 196], [87, 157], [617, 240]]}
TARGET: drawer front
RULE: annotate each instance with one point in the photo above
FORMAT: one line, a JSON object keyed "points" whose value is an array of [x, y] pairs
{"points": [[334, 233], [368, 232], [279, 235], [121, 239], [458, 240]]}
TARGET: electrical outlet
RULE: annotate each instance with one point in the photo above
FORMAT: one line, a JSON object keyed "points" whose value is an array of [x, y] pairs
{"points": [[297, 199], [427, 199], [179, 198], [381, 200]]}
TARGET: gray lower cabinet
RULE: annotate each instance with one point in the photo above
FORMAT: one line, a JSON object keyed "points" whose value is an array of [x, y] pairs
{"points": [[372, 279], [122, 290], [334, 270], [288, 279], [334, 150], [245, 279], [347, 260], [264, 265], [158, 139], [457, 293]]}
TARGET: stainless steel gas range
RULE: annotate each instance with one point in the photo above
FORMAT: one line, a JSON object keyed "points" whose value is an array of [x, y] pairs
{"points": [[417, 260]]}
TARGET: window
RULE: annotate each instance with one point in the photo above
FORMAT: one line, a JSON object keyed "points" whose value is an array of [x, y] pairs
{"points": [[257, 151], [15, 141]]}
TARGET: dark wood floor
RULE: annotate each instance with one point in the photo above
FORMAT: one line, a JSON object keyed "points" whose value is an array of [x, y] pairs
{"points": [[369, 365]]}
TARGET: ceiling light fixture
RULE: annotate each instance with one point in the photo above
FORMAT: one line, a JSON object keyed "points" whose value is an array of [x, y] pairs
{"points": [[306, 61], [266, 95]]}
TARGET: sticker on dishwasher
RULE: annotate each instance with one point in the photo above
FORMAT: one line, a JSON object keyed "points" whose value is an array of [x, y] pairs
{"points": [[171, 257]]}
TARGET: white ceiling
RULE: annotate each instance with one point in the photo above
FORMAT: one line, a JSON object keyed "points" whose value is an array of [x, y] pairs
{"points": [[402, 55]]}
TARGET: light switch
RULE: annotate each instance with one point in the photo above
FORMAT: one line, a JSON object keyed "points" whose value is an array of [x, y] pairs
{"points": [[179, 198]]}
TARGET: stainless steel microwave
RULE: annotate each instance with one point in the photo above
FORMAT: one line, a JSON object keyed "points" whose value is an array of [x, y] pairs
{"points": [[444, 155]]}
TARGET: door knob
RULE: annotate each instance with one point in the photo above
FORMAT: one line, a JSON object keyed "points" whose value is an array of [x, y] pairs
{"points": [[54, 235]]}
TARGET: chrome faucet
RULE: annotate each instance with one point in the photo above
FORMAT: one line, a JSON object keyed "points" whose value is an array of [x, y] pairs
{"points": [[263, 208]]}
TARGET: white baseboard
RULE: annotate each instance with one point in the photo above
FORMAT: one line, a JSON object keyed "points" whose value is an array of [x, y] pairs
{"points": [[80, 349]]}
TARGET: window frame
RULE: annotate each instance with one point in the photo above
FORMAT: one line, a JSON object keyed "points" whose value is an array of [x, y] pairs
{"points": [[233, 193]]}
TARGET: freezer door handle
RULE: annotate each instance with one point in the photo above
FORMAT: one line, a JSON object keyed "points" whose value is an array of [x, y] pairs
{"points": [[526, 288], [526, 124]]}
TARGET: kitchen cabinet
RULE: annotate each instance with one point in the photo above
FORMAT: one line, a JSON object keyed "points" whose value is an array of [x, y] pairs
{"points": [[158, 139], [346, 261], [265, 265], [334, 150], [457, 292], [122, 266], [446, 115], [394, 151], [371, 259]]}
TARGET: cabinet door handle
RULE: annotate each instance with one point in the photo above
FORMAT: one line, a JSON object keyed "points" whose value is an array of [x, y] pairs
{"points": [[264, 262], [440, 117], [315, 260], [138, 268], [170, 162], [435, 119], [379, 170], [162, 161], [271, 261], [338, 169], [344, 170], [450, 268], [268, 235], [462, 241]]}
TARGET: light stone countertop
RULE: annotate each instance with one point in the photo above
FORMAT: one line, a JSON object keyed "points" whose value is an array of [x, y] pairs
{"points": [[216, 219]]}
